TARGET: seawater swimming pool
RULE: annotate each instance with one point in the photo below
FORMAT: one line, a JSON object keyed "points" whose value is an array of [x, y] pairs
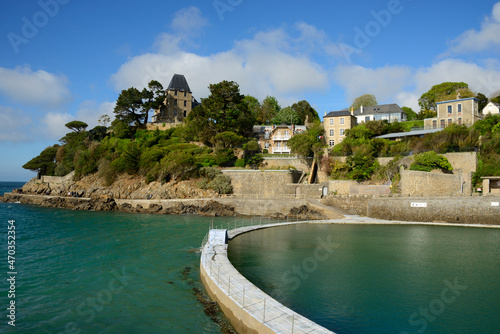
{"points": [[379, 278]]}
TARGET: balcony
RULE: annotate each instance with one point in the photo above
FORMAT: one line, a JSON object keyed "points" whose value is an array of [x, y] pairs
{"points": [[286, 150], [277, 138]]}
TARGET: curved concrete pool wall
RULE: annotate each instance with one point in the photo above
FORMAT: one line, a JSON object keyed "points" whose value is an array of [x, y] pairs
{"points": [[248, 308], [243, 303]]}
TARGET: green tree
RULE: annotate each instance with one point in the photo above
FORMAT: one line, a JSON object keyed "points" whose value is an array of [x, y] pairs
{"points": [[423, 114], [410, 114], [45, 163], [133, 106], [77, 126], [482, 101], [309, 144], [495, 99], [305, 111], [437, 92], [253, 105], [269, 108], [288, 116], [364, 100], [224, 110]]}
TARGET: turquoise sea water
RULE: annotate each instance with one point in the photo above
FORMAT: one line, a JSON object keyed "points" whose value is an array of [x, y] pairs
{"points": [[379, 279], [102, 272]]}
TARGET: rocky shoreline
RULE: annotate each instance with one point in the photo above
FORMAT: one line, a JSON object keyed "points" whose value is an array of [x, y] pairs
{"points": [[204, 207]]}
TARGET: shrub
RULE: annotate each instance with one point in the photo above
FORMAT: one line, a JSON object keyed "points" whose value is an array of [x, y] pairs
{"points": [[221, 184], [429, 161], [107, 172], [240, 163]]}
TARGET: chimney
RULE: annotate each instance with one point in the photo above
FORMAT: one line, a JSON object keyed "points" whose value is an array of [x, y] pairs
{"points": [[352, 110], [325, 112], [361, 108], [458, 96]]}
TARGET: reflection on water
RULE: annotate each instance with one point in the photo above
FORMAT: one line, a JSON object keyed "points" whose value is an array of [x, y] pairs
{"points": [[379, 279]]}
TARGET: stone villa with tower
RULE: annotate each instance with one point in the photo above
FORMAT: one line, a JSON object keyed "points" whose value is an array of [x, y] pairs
{"points": [[179, 102]]}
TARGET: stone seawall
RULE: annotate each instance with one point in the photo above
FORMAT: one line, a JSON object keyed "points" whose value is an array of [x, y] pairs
{"points": [[483, 210]]}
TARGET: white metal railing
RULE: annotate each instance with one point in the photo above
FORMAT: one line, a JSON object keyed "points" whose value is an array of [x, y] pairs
{"points": [[281, 137], [249, 297], [281, 150]]}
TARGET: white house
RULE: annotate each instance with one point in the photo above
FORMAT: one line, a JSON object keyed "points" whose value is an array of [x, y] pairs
{"points": [[491, 108]]}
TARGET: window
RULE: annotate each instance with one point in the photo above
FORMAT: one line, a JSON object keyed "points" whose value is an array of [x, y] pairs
{"points": [[332, 132], [175, 92], [331, 143], [434, 124], [449, 121], [185, 113], [266, 145], [459, 108], [185, 103], [286, 133], [367, 118], [175, 102], [331, 121], [442, 123], [185, 94], [175, 112], [341, 120], [459, 121], [341, 132], [450, 109]]}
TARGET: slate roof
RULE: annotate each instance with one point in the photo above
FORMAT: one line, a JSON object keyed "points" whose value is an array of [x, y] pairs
{"points": [[338, 113], [179, 83], [392, 108], [408, 134]]}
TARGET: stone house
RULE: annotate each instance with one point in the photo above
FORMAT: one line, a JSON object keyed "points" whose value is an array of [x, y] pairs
{"points": [[179, 102], [491, 108], [335, 124], [275, 138], [388, 112], [459, 111]]}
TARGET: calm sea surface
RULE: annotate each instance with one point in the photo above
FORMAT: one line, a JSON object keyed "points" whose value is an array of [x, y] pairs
{"points": [[379, 279], [102, 272]]}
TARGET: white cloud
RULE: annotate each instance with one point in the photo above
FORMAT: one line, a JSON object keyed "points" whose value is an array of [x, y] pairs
{"points": [[53, 125], [404, 85], [488, 37], [267, 64], [384, 82], [29, 87], [13, 125], [484, 79], [89, 112], [189, 20]]}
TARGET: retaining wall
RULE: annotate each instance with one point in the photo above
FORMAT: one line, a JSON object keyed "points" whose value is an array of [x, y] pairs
{"points": [[484, 210], [416, 183]]}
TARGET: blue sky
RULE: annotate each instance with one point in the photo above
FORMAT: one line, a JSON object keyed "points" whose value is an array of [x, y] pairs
{"points": [[62, 60]]}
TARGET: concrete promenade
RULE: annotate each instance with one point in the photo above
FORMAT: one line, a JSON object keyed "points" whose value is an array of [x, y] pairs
{"points": [[248, 308]]}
